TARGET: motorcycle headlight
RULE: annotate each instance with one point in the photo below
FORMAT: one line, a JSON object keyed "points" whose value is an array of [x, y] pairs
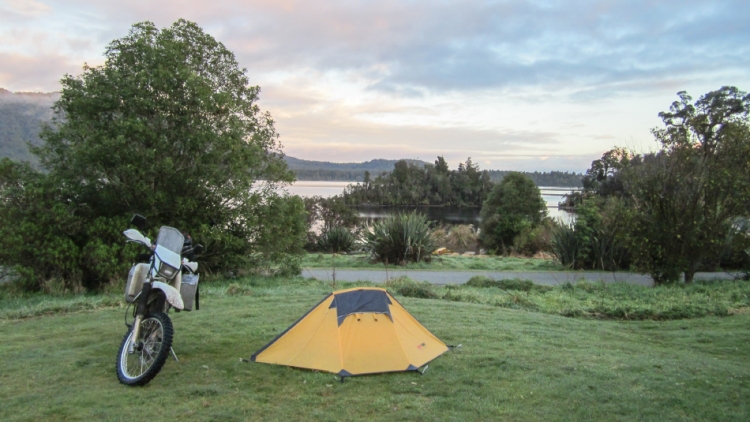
{"points": [[167, 271]]}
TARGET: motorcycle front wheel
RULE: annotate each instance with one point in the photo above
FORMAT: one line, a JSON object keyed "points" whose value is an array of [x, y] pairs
{"points": [[150, 352]]}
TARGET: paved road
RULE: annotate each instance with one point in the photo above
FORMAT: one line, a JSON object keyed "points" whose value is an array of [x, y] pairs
{"points": [[459, 277]]}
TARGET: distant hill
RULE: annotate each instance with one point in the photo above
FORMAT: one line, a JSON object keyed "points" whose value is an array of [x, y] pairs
{"points": [[21, 117], [347, 172]]}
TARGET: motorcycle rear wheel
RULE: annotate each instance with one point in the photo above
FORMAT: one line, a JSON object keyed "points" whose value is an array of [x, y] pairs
{"points": [[141, 366]]}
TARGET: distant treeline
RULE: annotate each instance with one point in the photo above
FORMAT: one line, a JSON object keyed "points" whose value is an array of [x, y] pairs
{"points": [[552, 178], [355, 172], [331, 175], [429, 184]]}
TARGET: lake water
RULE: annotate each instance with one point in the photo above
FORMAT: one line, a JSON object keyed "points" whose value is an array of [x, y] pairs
{"points": [[306, 188]]}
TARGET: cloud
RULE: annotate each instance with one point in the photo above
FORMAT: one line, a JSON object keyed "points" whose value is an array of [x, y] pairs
{"points": [[24, 9], [32, 73], [502, 81], [471, 45]]}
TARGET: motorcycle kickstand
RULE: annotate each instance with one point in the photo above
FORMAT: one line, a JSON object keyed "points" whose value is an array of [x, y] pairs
{"points": [[174, 354]]}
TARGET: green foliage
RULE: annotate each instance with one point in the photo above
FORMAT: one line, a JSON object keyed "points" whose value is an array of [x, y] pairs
{"points": [[169, 128], [513, 205], [687, 196], [337, 239], [515, 284], [458, 237], [542, 178], [604, 177], [737, 247], [533, 240], [325, 214], [409, 288], [596, 239], [671, 212], [278, 236], [619, 301], [564, 244], [400, 238], [410, 184]]}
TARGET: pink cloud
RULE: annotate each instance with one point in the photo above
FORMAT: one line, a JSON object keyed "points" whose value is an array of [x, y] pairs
{"points": [[34, 73]]}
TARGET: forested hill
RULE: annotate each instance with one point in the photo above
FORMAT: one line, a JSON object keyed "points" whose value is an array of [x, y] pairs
{"points": [[347, 172], [355, 172], [21, 116]]}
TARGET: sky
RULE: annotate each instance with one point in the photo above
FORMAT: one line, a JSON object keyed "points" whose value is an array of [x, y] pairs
{"points": [[515, 85]]}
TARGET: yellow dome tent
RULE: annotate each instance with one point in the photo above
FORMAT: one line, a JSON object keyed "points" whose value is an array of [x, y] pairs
{"points": [[354, 332]]}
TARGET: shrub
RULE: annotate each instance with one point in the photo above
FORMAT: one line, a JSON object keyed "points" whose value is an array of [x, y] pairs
{"points": [[337, 239], [514, 284], [407, 287], [564, 244], [481, 281], [513, 205], [420, 291], [531, 241], [461, 237], [400, 238]]}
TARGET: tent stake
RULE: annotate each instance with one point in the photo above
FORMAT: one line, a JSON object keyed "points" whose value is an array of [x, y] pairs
{"points": [[423, 370]]}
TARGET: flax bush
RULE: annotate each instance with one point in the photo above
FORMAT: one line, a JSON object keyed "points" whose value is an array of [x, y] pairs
{"points": [[400, 238], [337, 239]]}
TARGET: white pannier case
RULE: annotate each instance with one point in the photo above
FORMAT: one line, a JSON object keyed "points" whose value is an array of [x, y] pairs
{"points": [[188, 289]]}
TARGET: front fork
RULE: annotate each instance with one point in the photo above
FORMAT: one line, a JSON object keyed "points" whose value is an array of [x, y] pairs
{"points": [[139, 313]]}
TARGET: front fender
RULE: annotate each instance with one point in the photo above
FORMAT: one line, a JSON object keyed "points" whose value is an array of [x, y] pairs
{"points": [[173, 296]]}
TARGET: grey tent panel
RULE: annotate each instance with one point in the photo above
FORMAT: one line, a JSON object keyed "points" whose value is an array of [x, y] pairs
{"points": [[361, 301]]}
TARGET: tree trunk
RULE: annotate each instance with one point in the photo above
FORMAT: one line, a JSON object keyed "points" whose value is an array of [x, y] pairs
{"points": [[689, 274]]}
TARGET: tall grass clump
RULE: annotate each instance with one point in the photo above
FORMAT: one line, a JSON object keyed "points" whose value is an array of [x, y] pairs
{"points": [[515, 284], [400, 238], [407, 287], [460, 237]]}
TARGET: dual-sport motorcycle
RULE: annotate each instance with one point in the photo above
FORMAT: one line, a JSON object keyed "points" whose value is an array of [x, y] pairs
{"points": [[163, 278]]}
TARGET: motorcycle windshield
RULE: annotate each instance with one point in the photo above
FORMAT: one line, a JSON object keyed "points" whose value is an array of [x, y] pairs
{"points": [[170, 238]]}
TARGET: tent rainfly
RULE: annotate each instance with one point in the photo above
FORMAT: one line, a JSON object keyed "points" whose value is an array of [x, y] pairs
{"points": [[354, 332]]}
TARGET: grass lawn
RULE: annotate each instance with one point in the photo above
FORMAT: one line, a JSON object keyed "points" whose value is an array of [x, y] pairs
{"points": [[513, 365], [443, 262]]}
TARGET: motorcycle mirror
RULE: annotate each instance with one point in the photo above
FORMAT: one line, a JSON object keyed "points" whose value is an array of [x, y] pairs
{"points": [[138, 221], [198, 249]]}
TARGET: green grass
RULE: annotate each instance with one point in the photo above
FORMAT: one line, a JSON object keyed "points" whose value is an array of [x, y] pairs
{"points": [[593, 300], [513, 365], [444, 262]]}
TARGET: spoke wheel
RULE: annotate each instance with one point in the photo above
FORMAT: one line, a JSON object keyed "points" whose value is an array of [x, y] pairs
{"points": [[150, 352]]}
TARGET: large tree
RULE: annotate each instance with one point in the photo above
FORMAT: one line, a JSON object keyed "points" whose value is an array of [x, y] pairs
{"points": [[686, 198], [514, 205], [168, 127]]}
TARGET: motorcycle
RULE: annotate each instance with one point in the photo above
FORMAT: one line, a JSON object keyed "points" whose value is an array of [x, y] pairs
{"points": [[163, 278]]}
